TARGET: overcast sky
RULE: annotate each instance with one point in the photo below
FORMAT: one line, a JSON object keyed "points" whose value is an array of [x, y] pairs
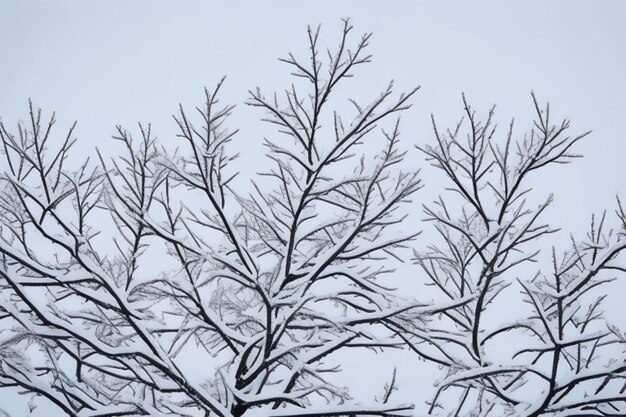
{"points": [[109, 62], [104, 63]]}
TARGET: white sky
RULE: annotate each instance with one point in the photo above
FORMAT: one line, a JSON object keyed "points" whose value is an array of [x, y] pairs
{"points": [[104, 63]]}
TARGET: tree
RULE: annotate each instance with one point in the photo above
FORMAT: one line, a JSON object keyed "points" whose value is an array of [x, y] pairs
{"points": [[567, 345], [251, 292], [253, 295]]}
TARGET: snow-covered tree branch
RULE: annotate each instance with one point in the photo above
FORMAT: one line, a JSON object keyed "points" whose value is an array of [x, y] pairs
{"points": [[489, 230]]}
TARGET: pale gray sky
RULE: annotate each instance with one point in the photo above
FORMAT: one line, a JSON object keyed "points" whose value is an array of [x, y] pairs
{"points": [[112, 62], [104, 63]]}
